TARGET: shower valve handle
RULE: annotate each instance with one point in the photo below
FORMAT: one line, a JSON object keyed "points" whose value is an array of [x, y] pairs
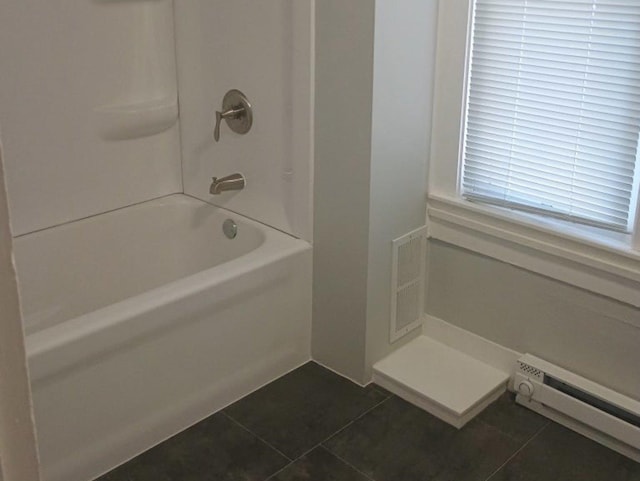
{"points": [[226, 115], [236, 111]]}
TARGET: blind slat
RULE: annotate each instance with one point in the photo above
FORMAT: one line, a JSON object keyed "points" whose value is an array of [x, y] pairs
{"points": [[553, 108]]}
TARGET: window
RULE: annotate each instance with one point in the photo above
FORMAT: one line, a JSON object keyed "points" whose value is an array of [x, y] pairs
{"points": [[534, 146], [553, 109]]}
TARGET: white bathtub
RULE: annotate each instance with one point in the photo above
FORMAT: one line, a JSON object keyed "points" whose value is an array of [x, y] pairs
{"points": [[142, 321]]}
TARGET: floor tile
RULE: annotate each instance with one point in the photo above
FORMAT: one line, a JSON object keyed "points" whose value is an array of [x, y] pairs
{"points": [[303, 408], [381, 390], [319, 465], [397, 441], [560, 454], [216, 449], [511, 418]]}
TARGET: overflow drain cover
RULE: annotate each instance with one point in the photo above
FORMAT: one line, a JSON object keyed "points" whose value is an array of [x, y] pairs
{"points": [[230, 228]]}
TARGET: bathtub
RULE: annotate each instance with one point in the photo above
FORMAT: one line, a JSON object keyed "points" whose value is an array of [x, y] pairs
{"points": [[143, 321]]}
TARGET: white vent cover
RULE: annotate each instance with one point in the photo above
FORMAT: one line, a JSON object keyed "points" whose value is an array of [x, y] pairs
{"points": [[407, 282], [530, 371]]}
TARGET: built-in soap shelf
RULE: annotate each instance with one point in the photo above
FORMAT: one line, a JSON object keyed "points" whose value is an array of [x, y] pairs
{"points": [[135, 120]]}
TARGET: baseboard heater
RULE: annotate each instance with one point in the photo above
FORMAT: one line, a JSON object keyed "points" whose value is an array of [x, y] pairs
{"points": [[584, 406]]}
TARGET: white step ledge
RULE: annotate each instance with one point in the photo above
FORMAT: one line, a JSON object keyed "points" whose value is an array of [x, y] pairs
{"points": [[443, 381]]}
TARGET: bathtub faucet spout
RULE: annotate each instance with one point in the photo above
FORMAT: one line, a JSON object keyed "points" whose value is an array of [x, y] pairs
{"points": [[230, 182]]}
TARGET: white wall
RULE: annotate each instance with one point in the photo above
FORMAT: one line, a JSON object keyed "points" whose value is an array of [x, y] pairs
{"points": [[592, 335], [404, 58], [263, 49], [18, 454], [83, 85], [374, 68], [344, 86]]}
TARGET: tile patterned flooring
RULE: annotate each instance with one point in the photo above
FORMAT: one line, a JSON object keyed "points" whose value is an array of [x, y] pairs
{"points": [[312, 425]]}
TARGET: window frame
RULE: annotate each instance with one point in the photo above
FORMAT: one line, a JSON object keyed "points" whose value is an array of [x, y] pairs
{"points": [[604, 262]]}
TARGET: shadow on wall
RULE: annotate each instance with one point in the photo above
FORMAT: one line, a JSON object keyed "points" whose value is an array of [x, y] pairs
{"points": [[18, 453]]}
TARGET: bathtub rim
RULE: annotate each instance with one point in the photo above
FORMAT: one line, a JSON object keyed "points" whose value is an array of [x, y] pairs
{"points": [[36, 320]]}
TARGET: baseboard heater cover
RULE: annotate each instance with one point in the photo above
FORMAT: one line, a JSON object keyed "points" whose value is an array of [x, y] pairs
{"points": [[599, 413]]}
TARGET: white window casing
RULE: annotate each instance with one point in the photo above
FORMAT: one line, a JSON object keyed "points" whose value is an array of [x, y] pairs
{"points": [[575, 143]]}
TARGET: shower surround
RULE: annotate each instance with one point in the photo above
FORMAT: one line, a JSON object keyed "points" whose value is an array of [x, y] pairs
{"points": [[141, 317]]}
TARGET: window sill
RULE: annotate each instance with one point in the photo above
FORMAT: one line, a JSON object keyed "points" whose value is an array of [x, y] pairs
{"points": [[601, 265]]}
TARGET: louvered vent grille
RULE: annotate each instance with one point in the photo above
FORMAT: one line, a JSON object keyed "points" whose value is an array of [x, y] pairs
{"points": [[408, 268], [530, 371]]}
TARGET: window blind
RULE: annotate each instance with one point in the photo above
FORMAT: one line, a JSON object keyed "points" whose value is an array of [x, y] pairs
{"points": [[553, 109]]}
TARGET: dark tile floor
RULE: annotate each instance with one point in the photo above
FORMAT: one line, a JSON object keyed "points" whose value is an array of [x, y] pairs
{"points": [[314, 425]]}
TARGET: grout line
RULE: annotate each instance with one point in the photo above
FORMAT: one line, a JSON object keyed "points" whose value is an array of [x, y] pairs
{"points": [[373, 386], [178, 82], [253, 219], [518, 451], [280, 470], [330, 453], [388, 395], [339, 374], [321, 443], [257, 436], [91, 216], [347, 463], [509, 435]]}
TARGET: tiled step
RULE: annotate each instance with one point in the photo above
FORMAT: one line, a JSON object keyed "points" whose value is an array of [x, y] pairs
{"points": [[441, 380]]}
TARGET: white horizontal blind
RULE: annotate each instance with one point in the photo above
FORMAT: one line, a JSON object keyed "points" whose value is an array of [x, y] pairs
{"points": [[553, 108]]}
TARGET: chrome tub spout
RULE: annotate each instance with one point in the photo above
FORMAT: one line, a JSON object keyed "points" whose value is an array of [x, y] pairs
{"points": [[230, 182]]}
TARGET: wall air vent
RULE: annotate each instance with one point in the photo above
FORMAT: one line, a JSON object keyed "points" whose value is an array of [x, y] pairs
{"points": [[588, 408], [407, 282]]}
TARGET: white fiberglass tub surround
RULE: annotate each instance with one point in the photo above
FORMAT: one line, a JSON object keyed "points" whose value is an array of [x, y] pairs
{"points": [[145, 320]]}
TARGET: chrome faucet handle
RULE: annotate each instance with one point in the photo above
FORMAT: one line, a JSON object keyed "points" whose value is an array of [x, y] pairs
{"points": [[236, 111]]}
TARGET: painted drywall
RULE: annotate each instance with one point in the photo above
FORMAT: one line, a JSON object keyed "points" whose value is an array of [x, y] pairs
{"points": [[343, 94], [83, 87], [264, 49], [18, 454], [592, 335], [404, 58], [374, 69]]}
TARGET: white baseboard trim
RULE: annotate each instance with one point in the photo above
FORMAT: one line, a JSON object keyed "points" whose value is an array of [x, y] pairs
{"points": [[338, 373], [473, 345]]}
